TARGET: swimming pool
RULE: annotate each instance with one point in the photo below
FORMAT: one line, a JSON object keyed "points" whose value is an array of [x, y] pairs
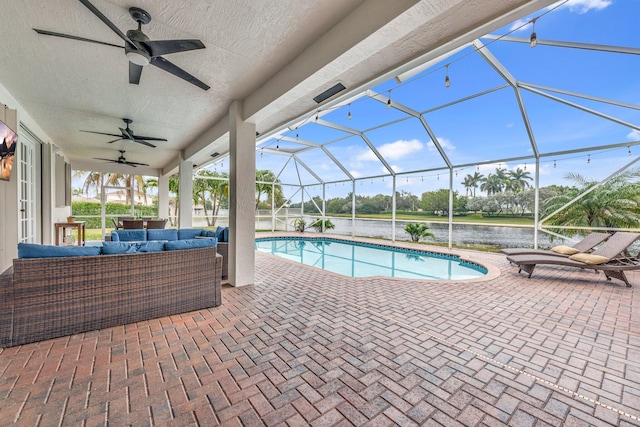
{"points": [[357, 259]]}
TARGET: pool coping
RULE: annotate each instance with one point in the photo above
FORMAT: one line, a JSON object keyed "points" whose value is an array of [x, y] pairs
{"points": [[464, 255]]}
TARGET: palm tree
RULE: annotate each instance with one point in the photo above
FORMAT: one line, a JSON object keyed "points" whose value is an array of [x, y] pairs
{"points": [[518, 180], [614, 204], [468, 184], [492, 184], [93, 179], [264, 178], [217, 190], [174, 187], [476, 179]]}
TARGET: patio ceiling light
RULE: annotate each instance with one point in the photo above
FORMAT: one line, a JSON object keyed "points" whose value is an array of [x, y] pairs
{"points": [[447, 81], [533, 40]]}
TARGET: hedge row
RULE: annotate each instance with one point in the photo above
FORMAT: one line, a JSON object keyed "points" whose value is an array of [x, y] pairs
{"points": [[90, 212]]}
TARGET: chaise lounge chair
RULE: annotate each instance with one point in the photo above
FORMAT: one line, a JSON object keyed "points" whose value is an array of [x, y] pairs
{"points": [[607, 258], [584, 245]]}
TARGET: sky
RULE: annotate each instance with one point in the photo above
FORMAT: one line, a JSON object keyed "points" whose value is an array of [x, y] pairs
{"points": [[481, 130], [491, 126]]}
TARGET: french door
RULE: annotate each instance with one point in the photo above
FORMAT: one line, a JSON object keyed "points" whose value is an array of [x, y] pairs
{"points": [[27, 190]]}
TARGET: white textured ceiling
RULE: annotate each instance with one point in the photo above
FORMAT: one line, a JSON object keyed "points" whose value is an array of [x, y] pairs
{"points": [[275, 55]]}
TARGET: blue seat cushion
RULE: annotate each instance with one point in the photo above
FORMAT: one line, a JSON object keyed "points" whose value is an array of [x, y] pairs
{"points": [[225, 237], [162, 234], [189, 233], [153, 246], [33, 250], [129, 235], [115, 248], [177, 245]]}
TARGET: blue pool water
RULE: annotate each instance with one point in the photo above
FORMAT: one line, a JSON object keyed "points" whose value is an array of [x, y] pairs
{"points": [[357, 259]]}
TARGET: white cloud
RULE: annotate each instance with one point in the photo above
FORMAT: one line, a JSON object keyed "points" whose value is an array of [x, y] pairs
{"points": [[584, 6], [519, 25], [355, 174], [393, 150], [444, 143], [634, 134], [576, 6]]}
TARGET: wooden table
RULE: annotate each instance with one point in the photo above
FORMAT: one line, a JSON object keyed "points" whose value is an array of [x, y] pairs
{"points": [[78, 225]]}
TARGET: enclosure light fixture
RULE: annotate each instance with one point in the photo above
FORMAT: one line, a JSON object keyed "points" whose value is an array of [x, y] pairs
{"points": [[554, 164], [533, 40], [447, 80], [389, 100], [316, 116], [629, 150], [525, 166], [349, 114], [588, 159], [261, 152]]}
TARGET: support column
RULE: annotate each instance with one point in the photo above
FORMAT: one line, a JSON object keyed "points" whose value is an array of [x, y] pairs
{"points": [[324, 206], [450, 208], [163, 196], [393, 211], [242, 197], [185, 194], [353, 208], [536, 205]]}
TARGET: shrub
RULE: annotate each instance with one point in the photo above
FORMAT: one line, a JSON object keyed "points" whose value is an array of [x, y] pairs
{"points": [[417, 230], [317, 225]]}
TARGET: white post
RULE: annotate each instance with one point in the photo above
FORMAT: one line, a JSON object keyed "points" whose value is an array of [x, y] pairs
{"points": [[273, 208], [450, 208], [353, 208], [324, 206], [163, 197], [185, 194], [393, 210], [242, 197], [536, 204]]}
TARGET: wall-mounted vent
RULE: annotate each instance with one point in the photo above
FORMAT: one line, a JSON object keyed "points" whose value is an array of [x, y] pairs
{"points": [[329, 93], [216, 154]]}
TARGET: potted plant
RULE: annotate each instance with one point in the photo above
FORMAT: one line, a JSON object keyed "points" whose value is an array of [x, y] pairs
{"points": [[299, 224]]}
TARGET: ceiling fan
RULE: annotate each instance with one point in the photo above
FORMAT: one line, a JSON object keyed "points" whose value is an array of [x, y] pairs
{"points": [[121, 160], [128, 135], [139, 49]]}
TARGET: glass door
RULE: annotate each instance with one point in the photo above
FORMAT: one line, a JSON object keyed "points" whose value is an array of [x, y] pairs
{"points": [[27, 190]]}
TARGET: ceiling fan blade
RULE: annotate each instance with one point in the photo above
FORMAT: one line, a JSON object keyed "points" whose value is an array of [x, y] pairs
{"points": [[166, 47], [134, 164], [149, 138], [106, 20], [134, 73], [67, 36], [139, 141], [106, 160], [169, 67], [102, 133], [113, 140]]}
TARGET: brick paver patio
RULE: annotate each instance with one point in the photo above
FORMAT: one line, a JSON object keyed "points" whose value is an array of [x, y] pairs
{"points": [[306, 347]]}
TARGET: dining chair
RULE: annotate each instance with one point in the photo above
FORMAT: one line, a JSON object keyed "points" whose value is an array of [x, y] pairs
{"points": [[156, 223], [133, 224]]}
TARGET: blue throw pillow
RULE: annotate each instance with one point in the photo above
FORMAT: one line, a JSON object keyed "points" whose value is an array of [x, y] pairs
{"points": [[114, 236], [188, 233], [177, 245], [220, 234], [208, 233], [115, 248], [162, 234], [226, 235], [151, 246], [33, 250], [131, 235]]}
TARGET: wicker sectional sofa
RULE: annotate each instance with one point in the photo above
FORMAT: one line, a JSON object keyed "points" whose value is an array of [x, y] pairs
{"points": [[43, 298]]}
